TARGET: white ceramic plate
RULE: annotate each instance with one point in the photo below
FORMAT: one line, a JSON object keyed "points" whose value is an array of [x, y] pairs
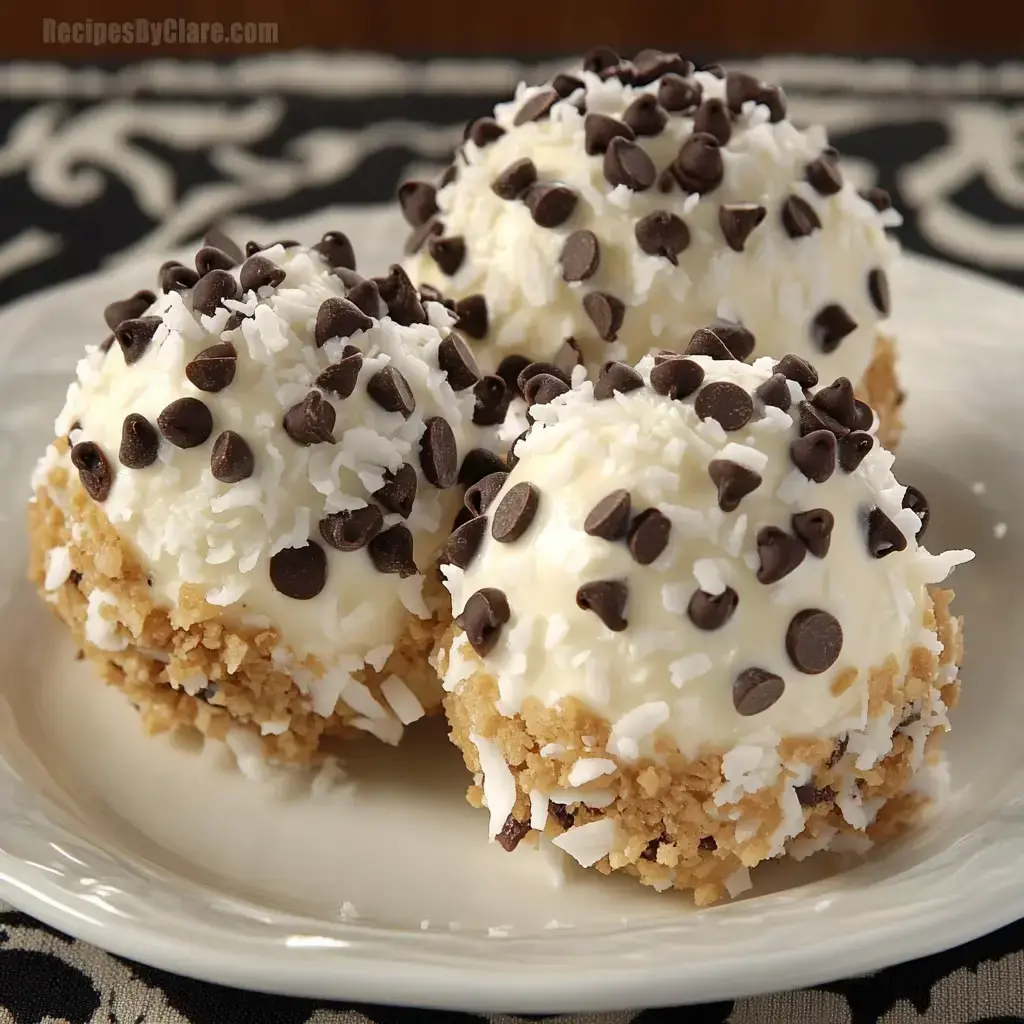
{"points": [[384, 889]]}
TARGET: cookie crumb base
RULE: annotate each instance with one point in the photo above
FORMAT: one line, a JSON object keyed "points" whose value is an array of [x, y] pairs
{"points": [[187, 667], [880, 388]]}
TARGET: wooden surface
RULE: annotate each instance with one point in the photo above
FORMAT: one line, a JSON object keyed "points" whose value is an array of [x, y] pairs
{"points": [[912, 27]]}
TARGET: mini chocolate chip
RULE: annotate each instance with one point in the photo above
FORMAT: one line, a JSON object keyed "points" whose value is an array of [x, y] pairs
{"points": [[918, 504], [339, 318], [677, 378], [606, 314], [814, 455], [75, 577], [650, 65], [210, 258], [798, 370], [736, 338], [492, 401], [810, 796], [706, 341], [418, 201], [94, 470], [439, 455], [645, 115], [336, 249], [824, 176], [471, 316], [479, 463], [231, 458], [134, 336], [884, 536], [186, 422], [455, 359], [662, 234], [390, 390], [341, 378], [679, 94], [310, 421], [714, 69], [600, 129], [811, 418], [464, 541], [365, 296], [565, 85], [213, 369], [515, 513], [707, 843], [567, 358], [448, 253], [299, 573], [838, 401], [814, 641], [837, 754], [878, 198], [403, 301], [419, 236], [616, 377], [799, 218], [600, 58], [830, 326], [698, 167], [778, 553], [511, 459], [878, 290], [543, 388], [740, 88], [483, 131], [515, 179], [651, 850], [175, 277], [772, 97], [864, 417], [399, 490], [480, 495], [213, 289], [609, 518], [259, 272], [853, 448], [391, 551], [755, 690], [733, 482], [814, 528], [580, 256], [626, 163], [607, 600], [537, 107], [485, 613], [224, 242], [712, 611], [648, 535], [550, 205], [532, 370], [509, 369], [140, 442], [713, 118], [775, 391], [235, 320], [725, 402], [352, 530], [738, 222], [561, 814]]}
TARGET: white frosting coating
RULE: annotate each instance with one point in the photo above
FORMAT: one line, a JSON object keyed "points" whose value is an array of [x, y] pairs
{"points": [[187, 527], [775, 287], [661, 675]]}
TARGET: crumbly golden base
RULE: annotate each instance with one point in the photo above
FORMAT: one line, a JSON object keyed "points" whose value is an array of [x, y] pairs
{"points": [[166, 646], [880, 388], [672, 834]]}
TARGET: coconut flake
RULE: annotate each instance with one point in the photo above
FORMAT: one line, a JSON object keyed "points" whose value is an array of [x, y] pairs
{"points": [[587, 844], [586, 769], [499, 783], [690, 666], [402, 700], [58, 568], [538, 809], [636, 725]]}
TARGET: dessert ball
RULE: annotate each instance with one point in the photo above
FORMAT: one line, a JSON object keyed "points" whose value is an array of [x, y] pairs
{"points": [[695, 625], [241, 513], [621, 206]]}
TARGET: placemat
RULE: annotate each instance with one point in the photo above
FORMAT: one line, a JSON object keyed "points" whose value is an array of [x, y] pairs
{"points": [[113, 162]]}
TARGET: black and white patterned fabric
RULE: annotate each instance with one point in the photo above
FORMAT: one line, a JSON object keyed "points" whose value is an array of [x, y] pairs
{"points": [[105, 163]]}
